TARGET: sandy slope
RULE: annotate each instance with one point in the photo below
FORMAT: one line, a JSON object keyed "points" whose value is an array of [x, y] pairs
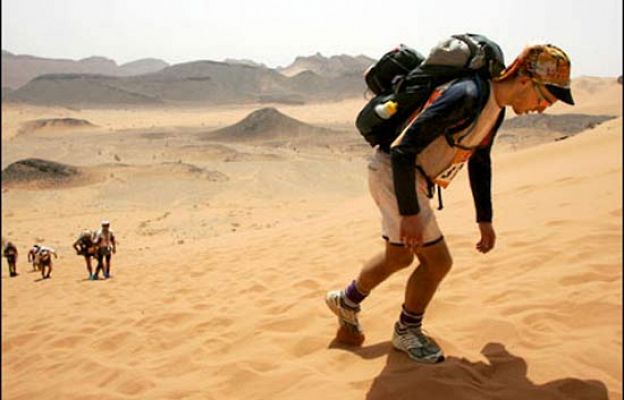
{"points": [[218, 282]]}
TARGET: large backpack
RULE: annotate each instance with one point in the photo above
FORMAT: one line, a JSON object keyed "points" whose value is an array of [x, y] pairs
{"points": [[456, 57], [391, 66]]}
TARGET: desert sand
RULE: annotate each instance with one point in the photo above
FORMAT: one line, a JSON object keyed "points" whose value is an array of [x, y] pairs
{"points": [[226, 249]]}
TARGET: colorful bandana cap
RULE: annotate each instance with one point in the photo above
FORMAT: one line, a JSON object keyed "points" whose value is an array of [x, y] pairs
{"points": [[547, 65]]}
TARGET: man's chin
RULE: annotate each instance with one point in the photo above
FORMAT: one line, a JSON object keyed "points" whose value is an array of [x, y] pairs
{"points": [[519, 112]]}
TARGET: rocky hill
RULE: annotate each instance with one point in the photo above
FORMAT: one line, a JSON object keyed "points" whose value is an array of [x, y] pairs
{"points": [[266, 125], [39, 172], [51, 124]]}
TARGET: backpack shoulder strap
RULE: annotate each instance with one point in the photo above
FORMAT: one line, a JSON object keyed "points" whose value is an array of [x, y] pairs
{"points": [[483, 91]]}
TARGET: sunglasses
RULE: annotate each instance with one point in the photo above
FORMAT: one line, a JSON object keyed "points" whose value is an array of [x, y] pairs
{"points": [[543, 100]]}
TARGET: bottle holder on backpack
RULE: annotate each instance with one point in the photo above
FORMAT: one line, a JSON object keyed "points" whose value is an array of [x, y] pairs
{"points": [[370, 124]]}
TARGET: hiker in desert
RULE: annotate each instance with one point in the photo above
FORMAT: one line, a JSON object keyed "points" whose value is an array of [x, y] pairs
{"points": [[105, 246], [10, 253], [85, 247], [457, 125], [45, 260], [33, 256]]}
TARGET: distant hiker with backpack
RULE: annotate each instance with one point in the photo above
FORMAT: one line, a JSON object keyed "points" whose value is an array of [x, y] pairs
{"points": [[453, 124], [105, 244], [10, 252], [85, 246], [33, 256], [45, 260]]}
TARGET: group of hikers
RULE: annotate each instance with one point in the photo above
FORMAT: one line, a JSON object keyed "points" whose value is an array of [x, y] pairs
{"points": [[99, 244]]}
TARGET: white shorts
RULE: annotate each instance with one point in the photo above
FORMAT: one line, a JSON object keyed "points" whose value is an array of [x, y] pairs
{"points": [[381, 186]]}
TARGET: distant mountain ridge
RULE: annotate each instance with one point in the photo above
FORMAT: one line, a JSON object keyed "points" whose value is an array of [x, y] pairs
{"points": [[17, 70], [333, 66], [202, 81]]}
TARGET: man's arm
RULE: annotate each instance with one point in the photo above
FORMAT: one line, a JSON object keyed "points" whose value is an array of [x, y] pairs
{"points": [[480, 175]]}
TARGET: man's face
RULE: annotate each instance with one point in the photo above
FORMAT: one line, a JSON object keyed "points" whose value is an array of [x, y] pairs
{"points": [[532, 97]]}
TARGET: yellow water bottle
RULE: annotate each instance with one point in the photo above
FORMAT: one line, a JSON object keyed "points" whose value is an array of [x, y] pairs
{"points": [[386, 110]]}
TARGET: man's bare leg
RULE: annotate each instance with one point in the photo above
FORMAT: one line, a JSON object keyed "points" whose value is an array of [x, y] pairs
{"points": [[380, 267], [345, 304], [435, 263]]}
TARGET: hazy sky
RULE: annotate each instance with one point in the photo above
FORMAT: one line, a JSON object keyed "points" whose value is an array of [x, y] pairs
{"points": [[274, 32]]}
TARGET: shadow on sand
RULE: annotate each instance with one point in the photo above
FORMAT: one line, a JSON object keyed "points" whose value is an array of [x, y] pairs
{"points": [[503, 378]]}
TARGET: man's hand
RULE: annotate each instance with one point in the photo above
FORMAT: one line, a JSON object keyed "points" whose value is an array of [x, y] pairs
{"points": [[488, 237], [412, 230]]}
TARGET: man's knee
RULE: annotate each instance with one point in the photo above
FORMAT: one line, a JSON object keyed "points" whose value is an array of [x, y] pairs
{"points": [[436, 260], [398, 257]]}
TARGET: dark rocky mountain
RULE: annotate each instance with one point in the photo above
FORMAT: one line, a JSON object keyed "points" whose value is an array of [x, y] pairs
{"points": [[38, 170]]}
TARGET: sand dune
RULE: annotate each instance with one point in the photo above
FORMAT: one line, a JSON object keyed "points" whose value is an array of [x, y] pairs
{"points": [[593, 95], [530, 130], [226, 250]]}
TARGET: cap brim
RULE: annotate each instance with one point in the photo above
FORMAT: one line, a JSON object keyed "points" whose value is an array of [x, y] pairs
{"points": [[563, 94]]}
